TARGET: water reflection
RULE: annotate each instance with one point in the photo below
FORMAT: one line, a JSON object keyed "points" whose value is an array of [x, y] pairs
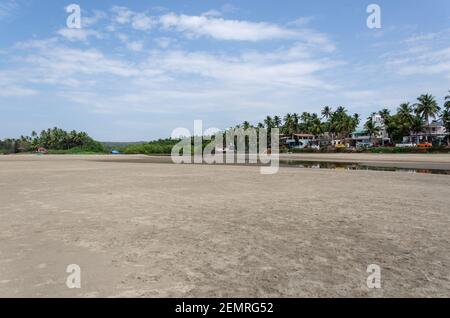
{"points": [[355, 166]]}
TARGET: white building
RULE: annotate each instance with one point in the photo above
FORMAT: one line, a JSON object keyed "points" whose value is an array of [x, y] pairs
{"points": [[360, 138]]}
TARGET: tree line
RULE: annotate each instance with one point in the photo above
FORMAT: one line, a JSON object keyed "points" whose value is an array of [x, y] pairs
{"points": [[52, 139], [339, 124]]}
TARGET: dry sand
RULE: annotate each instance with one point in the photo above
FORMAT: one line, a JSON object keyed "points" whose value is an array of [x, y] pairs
{"points": [[153, 230]]}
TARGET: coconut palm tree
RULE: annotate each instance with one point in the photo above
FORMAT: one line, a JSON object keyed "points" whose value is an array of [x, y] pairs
{"points": [[385, 114], [246, 125], [296, 120], [289, 127], [446, 117], [341, 109], [315, 125], [401, 123], [417, 125], [371, 128], [404, 113], [447, 101], [446, 121], [327, 112], [277, 121], [269, 122], [427, 107], [304, 117], [356, 120]]}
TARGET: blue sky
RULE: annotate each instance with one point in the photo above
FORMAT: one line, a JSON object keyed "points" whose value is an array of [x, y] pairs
{"points": [[137, 70]]}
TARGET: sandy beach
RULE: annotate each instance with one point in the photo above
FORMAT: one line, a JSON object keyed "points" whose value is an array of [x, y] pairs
{"points": [[163, 230]]}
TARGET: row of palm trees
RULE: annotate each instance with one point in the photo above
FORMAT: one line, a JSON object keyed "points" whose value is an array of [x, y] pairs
{"points": [[412, 118], [54, 139], [338, 124]]}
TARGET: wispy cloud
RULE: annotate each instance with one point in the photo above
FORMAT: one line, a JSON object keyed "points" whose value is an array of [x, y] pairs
{"points": [[89, 20], [225, 29], [8, 7], [423, 54], [136, 46], [138, 20], [302, 21], [211, 24], [11, 85], [177, 79], [79, 34]]}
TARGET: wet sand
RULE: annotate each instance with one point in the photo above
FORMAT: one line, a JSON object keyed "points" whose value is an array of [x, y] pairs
{"points": [[164, 230]]}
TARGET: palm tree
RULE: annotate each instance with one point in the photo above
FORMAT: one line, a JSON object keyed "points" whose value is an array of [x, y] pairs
{"points": [[288, 127], [246, 125], [295, 119], [305, 116], [342, 124], [341, 109], [371, 128], [427, 107], [446, 117], [404, 111], [447, 101], [315, 125], [277, 121], [269, 122], [385, 114], [356, 118], [446, 121], [403, 120], [327, 112], [417, 125]]}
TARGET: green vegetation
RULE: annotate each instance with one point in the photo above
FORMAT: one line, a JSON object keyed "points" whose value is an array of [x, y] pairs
{"points": [[371, 128], [394, 150], [446, 116], [435, 149], [161, 146], [410, 119], [56, 141], [338, 124]]}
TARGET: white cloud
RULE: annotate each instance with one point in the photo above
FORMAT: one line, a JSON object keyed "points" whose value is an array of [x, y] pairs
{"points": [[136, 46], [123, 14], [302, 21], [16, 91], [240, 70], [11, 85], [143, 22], [222, 29], [78, 34], [60, 66], [212, 13], [138, 20], [210, 24], [164, 42], [7, 7], [170, 80], [423, 54], [90, 20]]}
